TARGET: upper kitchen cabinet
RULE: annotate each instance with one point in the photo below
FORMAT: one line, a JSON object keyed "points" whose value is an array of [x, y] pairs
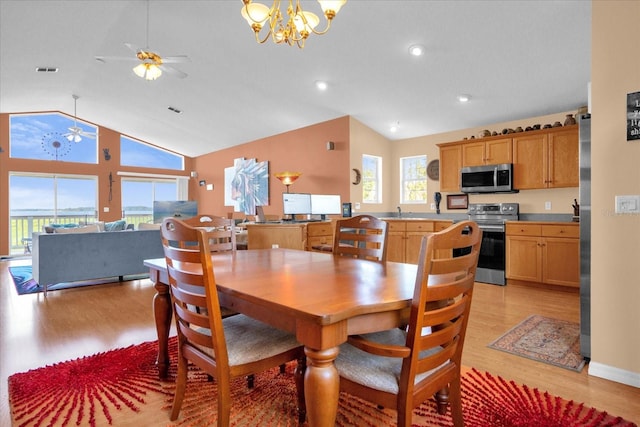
{"points": [[489, 152], [546, 159], [450, 164]]}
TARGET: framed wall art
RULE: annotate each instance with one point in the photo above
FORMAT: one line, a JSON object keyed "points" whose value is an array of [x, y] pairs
{"points": [[457, 201]]}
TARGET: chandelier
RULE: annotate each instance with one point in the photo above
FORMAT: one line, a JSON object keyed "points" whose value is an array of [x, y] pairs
{"points": [[297, 26]]}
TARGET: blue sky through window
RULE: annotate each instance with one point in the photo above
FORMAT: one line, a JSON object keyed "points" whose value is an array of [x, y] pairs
{"points": [[41, 137]]}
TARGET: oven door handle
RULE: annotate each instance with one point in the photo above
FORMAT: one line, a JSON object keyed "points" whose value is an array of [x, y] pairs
{"points": [[491, 227]]}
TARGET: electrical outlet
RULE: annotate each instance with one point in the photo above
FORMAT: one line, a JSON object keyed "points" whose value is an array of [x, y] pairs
{"points": [[547, 206], [433, 206]]}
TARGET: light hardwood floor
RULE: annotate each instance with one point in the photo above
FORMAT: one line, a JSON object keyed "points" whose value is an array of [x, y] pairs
{"points": [[35, 331]]}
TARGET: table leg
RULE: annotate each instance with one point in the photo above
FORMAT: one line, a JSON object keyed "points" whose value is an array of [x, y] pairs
{"points": [[321, 387], [163, 312]]}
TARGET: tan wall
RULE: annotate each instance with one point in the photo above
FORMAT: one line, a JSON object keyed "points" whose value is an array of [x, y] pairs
{"points": [[303, 150], [531, 201], [615, 249], [366, 141], [107, 139]]}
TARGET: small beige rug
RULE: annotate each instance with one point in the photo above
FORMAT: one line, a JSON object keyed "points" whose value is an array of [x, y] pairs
{"points": [[552, 341]]}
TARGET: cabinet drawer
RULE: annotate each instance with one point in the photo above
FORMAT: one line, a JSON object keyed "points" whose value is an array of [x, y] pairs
{"points": [[420, 226], [319, 240], [522, 229], [319, 229], [440, 225], [396, 226], [572, 231]]}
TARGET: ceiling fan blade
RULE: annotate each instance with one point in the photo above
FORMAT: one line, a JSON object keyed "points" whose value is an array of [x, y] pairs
{"points": [[134, 48], [88, 135], [116, 58], [173, 71], [175, 59]]}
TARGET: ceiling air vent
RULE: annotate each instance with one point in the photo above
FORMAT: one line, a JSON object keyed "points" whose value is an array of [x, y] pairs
{"points": [[174, 109], [46, 69]]}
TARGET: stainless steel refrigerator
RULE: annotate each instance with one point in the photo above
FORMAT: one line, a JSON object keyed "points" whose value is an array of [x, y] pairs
{"points": [[585, 235]]}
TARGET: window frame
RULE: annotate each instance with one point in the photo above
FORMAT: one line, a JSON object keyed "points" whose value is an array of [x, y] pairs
{"points": [[371, 179], [417, 178]]}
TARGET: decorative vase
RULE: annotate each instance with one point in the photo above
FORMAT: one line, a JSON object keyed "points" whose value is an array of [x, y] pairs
{"points": [[570, 120]]}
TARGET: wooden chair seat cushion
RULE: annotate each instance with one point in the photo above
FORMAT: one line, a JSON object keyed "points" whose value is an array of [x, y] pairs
{"points": [[377, 372], [249, 340]]}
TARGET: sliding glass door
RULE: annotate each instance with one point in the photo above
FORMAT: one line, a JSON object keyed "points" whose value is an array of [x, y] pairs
{"points": [[138, 195], [36, 200]]}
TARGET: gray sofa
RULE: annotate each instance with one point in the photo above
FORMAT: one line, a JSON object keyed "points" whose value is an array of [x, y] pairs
{"points": [[58, 258]]}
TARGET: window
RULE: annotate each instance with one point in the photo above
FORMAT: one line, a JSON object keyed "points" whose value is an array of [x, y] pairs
{"points": [[138, 195], [371, 179], [36, 200], [413, 179], [137, 153], [44, 137]]}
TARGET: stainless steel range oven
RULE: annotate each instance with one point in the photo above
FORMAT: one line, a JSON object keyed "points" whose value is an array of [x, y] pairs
{"points": [[491, 218]]}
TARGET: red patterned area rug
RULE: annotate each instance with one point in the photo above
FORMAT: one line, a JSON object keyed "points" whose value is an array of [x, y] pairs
{"points": [[120, 388], [552, 341]]}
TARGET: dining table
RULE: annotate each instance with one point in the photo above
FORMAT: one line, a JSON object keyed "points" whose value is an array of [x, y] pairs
{"points": [[319, 297]]}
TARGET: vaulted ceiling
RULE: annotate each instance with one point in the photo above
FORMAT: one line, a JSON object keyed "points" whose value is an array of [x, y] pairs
{"points": [[517, 59]]}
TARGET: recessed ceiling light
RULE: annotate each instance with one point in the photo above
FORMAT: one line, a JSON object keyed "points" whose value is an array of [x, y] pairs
{"points": [[464, 98], [395, 127], [46, 69], [416, 50], [321, 85]]}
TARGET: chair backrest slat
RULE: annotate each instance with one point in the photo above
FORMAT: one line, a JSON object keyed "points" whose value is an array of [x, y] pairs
{"points": [[362, 236]]}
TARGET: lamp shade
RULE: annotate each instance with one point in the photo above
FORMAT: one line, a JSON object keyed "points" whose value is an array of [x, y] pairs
{"points": [[288, 178]]}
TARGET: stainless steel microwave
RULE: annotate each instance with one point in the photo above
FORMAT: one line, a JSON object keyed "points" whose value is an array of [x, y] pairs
{"points": [[487, 179]]}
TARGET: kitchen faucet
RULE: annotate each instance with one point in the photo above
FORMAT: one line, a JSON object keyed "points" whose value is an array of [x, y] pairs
{"points": [[399, 212]]}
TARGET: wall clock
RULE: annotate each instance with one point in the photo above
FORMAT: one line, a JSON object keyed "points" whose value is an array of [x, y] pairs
{"points": [[433, 169]]}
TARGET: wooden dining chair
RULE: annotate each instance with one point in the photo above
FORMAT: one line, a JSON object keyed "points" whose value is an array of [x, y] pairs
{"points": [[400, 369], [224, 348], [221, 232], [362, 236]]}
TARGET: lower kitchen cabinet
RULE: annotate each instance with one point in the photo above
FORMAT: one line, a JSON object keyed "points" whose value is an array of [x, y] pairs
{"points": [[542, 252], [404, 237]]}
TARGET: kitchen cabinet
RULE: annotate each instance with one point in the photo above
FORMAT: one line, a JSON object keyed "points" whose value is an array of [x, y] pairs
{"points": [[450, 164], [264, 236], [320, 234], [489, 152], [404, 237], [546, 159], [541, 252]]}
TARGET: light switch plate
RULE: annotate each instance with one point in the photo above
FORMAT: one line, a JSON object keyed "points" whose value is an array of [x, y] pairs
{"points": [[628, 204]]}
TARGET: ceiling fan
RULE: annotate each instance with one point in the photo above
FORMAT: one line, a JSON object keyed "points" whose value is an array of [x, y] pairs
{"points": [[76, 133], [151, 63]]}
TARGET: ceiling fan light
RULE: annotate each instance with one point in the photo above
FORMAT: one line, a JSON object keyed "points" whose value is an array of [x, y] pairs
{"points": [[140, 70], [147, 71]]}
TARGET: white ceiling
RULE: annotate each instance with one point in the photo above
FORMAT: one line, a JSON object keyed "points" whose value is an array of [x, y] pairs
{"points": [[517, 59]]}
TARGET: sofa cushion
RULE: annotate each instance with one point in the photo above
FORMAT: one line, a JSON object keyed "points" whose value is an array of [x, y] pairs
{"points": [[115, 225], [148, 226], [93, 228]]}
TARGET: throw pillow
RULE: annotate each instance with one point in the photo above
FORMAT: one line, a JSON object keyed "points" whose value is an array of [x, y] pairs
{"points": [[87, 229], [115, 225]]}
